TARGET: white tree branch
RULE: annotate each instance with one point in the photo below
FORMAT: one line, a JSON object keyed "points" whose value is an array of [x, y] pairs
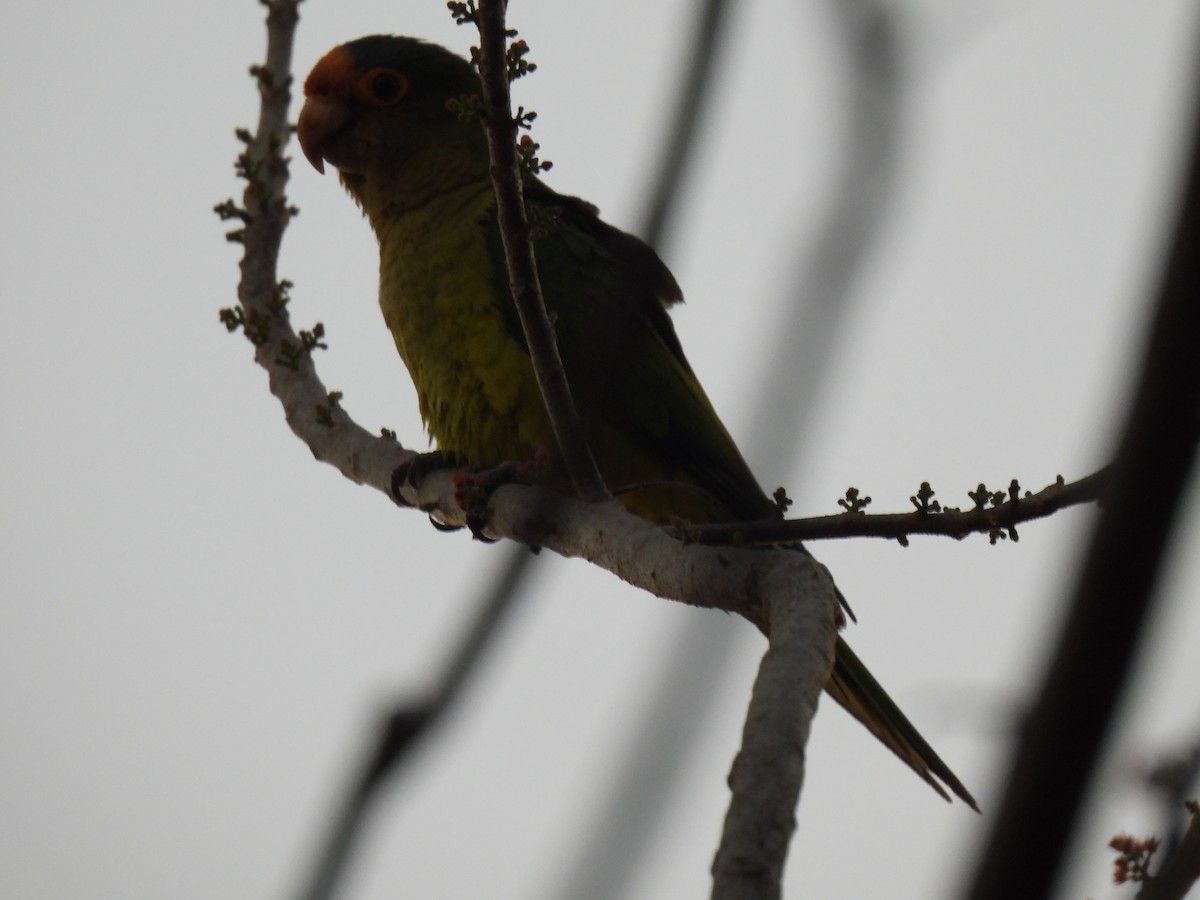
{"points": [[769, 769]]}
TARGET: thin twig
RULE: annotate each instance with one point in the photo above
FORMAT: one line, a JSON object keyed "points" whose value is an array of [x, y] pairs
{"points": [[518, 253], [1067, 727], [1181, 870], [955, 523], [266, 213], [1175, 779]]}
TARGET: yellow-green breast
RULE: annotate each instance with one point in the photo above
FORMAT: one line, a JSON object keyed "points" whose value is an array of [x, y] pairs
{"points": [[476, 389]]}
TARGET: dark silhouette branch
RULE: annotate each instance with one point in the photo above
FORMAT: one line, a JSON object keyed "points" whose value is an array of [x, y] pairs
{"points": [[518, 252], [1000, 519], [1069, 723]]}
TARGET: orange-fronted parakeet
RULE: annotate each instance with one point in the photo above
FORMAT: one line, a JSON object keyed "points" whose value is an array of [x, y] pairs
{"points": [[387, 112]]}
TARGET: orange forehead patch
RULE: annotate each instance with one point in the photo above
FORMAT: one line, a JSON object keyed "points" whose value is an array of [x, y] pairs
{"points": [[333, 74]]}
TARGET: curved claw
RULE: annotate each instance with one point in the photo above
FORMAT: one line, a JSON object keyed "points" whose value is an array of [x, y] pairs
{"points": [[476, 525]]}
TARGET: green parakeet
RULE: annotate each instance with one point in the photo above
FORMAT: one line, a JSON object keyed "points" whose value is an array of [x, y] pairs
{"points": [[387, 113]]}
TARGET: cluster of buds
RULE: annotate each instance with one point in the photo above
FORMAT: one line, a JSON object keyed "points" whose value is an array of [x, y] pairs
{"points": [[518, 65], [1133, 863], [527, 149]]}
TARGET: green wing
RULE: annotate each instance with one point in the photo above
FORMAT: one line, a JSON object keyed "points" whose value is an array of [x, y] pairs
{"points": [[648, 419]]}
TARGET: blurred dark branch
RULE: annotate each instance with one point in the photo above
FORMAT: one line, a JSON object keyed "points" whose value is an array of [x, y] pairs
{"points": [[862, 193], [999, 519], [518, 253], [408, 722], [678, 150], [1068, 726]]}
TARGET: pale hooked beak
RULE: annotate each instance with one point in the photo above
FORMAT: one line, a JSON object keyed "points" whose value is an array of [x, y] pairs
{"points": [[320, 119]]}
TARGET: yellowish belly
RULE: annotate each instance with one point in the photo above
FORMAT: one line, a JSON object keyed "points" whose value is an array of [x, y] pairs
{"points": [[475, 386]]}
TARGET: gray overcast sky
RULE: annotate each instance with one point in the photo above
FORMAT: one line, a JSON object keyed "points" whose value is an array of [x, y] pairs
{"points": [[199, 622]]}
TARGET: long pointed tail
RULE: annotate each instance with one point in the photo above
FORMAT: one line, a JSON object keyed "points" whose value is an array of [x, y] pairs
{"points": [[856, 689]]}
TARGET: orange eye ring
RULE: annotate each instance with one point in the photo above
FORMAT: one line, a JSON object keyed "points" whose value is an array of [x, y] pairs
{"points": [[382, 86]]}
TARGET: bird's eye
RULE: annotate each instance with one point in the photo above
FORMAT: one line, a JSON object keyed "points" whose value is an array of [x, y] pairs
{"points": [[383, 87]]}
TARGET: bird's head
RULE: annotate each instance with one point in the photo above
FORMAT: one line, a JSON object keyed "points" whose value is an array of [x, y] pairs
{"points": [[386, 111]]}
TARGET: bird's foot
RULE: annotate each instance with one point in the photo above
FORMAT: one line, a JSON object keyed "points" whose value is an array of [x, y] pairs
{"points": [[473, 490], [409, 474]]}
